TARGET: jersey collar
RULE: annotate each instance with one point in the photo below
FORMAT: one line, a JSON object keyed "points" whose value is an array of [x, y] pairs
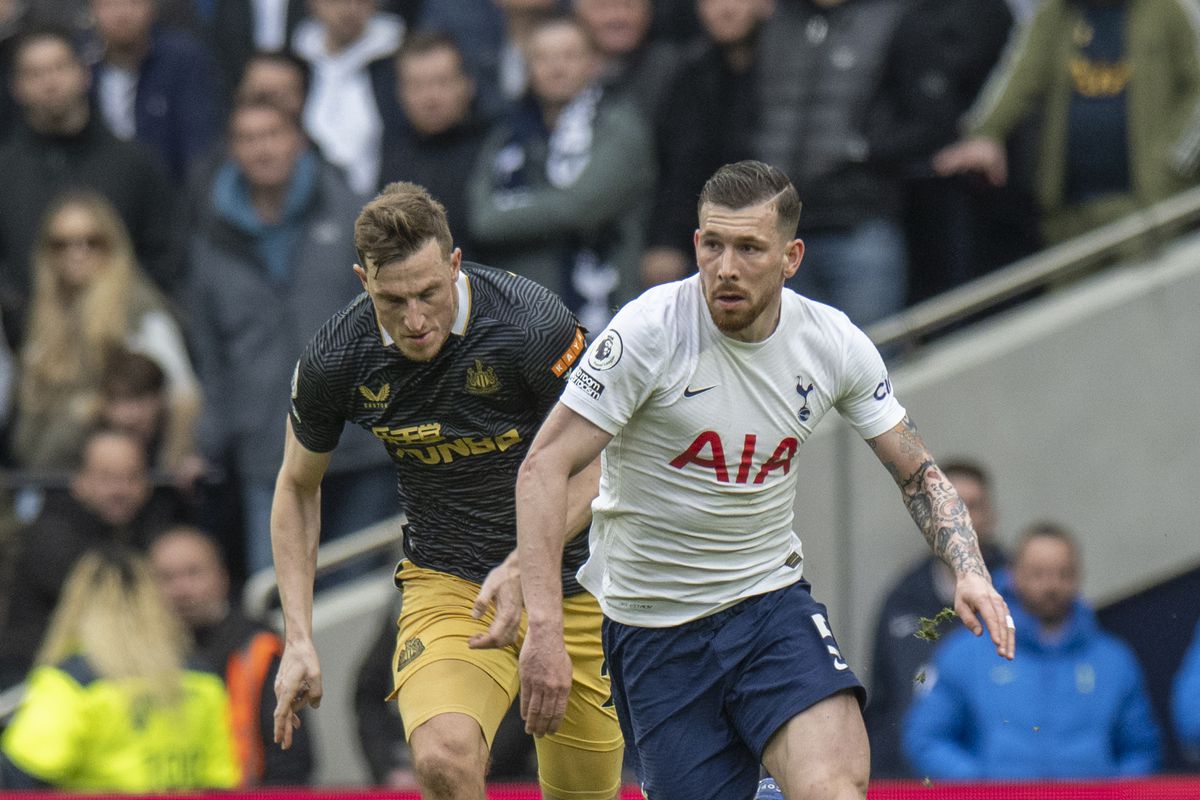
{"points": [[461, 319]]}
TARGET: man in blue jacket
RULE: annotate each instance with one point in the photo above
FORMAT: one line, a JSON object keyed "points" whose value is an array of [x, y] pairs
{"points": [[1073, 704]]}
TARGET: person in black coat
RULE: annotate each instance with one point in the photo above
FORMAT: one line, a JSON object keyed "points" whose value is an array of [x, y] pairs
{"points": [[709, 114], [61, 144], [442, 133]]}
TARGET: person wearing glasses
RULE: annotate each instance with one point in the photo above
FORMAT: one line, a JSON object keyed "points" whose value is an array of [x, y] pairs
{"points": [[91, 301]]}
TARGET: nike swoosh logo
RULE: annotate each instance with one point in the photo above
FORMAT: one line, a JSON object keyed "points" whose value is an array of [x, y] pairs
{"points": [[689, 392]]}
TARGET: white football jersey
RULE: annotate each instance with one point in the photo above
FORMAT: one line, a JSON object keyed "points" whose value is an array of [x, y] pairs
{"points": [[697, 487]]}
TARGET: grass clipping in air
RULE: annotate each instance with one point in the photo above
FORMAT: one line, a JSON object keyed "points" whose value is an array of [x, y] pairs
{"points": [[927, 627]]}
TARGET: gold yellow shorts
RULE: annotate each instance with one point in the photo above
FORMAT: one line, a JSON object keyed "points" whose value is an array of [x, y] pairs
{"points": [[435, 672]]}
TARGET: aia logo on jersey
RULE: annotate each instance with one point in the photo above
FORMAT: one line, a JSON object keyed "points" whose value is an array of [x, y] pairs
{"points": [[708, 452]]}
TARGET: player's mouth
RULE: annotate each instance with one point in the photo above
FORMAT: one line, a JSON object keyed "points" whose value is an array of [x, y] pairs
{"points": [[728, 300], [420, 338]]}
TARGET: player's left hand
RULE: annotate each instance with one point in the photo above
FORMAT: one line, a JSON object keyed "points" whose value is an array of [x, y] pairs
{"points": [[501, 588], [976, 599], [545, 670]]}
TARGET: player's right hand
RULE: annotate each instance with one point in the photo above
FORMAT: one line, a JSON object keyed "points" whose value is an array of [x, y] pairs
{"points": [[545, 682], [297, 684], [501, 588]]}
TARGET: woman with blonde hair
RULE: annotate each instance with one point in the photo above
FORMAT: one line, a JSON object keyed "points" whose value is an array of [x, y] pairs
{"points": [[90, 301], [111, 705]]}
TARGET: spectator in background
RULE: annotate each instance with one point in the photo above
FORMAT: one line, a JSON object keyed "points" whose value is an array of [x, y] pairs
{"points": [[707, 120], [349, 45], [493, 36], [1073, 704], [190, 570], [278, 78], [112, 705], [110, 501], [242, 29], [900, 657], [443, 132], [271, 252], [956, 228], [557, 191], [64, 145], [155, 84], [90, 301], [631, 64], [1116, 86], [135, 398], [1185, 700], [820, 65]]}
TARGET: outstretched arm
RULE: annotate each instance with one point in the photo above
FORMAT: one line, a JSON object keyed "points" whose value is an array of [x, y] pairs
{"points": [[501, 589], [565, 446], [942, 517], [295, 533]]}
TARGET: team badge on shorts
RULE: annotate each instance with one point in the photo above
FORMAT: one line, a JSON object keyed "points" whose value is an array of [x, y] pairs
{"points": [[607, 352]]}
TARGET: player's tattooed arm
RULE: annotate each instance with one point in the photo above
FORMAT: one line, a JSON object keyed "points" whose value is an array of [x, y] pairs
{"points": [[930, 498]]}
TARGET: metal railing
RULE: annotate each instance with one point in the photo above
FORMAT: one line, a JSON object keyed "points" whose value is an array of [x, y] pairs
{"points": [[262, 588], [1155, 224]]}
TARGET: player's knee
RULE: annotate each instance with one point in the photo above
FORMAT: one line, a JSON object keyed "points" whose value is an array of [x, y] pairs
{"points": [[445, 763], [833, 781], [442, 774]]}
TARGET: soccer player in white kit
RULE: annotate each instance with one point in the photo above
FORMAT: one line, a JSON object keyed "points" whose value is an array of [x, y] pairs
{"points": [[699, 394]]}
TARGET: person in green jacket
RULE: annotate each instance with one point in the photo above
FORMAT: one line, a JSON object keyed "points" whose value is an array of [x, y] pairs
{"points": [[111, 705], [1115, 85]]}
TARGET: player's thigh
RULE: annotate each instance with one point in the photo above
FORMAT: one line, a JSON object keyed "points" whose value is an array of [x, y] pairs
{"points": [[670, 690], [796, 701], [822, 752], [582, 760], [434, 669]]}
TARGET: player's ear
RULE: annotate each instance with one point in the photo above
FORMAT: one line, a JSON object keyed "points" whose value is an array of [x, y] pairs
{"points": [[362, 275], [455, 263], [793, 255]]}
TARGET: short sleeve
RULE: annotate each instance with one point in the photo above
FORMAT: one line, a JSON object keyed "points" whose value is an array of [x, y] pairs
{"points": [[867, 400], [316, 419], [553, 344], [618, 372]]}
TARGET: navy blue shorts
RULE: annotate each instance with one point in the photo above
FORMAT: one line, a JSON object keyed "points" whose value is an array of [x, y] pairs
{"points": [[698, 702]]}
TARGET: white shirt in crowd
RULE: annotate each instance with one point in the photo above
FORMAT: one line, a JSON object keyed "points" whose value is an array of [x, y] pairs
{"points": [[341, 114]]}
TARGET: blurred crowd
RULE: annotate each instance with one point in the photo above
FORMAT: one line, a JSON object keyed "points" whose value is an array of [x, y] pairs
{"points": [[179, 181]]}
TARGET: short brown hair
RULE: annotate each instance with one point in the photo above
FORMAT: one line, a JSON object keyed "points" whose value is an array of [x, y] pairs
{"points": [[398, 223], [254, 103], [748, 183], [129, 376], [969, 469], [1047, 529], [423, 42]]}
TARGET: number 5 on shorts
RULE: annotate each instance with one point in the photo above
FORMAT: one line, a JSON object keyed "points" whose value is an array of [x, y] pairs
{"points": [[830, 642]]}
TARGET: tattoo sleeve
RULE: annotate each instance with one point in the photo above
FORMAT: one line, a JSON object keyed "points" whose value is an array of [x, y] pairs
{"points": [[932, 501]]}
